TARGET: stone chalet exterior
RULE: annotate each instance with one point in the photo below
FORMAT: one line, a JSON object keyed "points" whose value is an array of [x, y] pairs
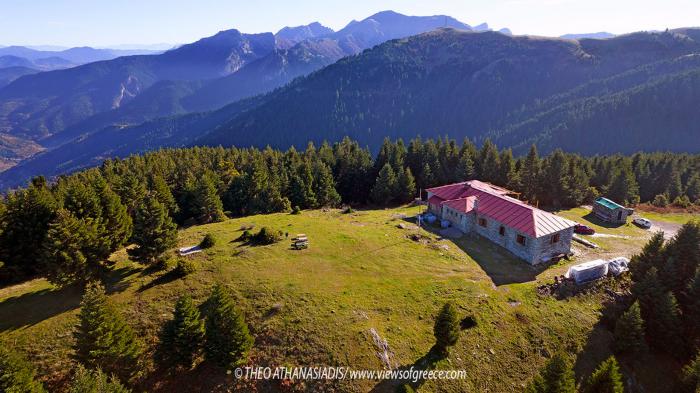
{"points": [[482, 208], [609, 211]]}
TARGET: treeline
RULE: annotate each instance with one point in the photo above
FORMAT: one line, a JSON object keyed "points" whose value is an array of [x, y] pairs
{"points": [[67, 230], [660, 315]]}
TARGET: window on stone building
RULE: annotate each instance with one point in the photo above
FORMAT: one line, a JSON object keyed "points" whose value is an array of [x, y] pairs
{"points": [[520, 239], [555, 238], [502, 230], [482, 222]]}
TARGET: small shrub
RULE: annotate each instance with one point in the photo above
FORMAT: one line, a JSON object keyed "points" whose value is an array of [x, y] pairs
{"points": [[267, 236], [245, 236], [296, 210], [348, 210], [85, 380], [208, 241], [682, 201], [184, 267], [660, 200], [163, 263]]}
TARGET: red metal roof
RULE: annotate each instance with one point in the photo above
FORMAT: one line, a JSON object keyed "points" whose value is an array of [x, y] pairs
{"points": [[435, 200], [464, 205], [492, 201]]}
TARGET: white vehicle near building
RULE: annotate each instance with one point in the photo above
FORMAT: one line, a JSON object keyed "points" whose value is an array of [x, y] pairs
{"points": [[642, 222]]}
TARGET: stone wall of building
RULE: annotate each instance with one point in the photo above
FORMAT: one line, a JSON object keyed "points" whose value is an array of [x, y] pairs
{"points": [[544, 248], [611, 215], [533, 251], [508, 240]]}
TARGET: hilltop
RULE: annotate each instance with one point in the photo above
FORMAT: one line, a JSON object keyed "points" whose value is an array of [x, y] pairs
{"points": [[318, 306]]}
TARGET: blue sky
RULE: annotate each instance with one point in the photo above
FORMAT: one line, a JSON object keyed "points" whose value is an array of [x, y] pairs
{"points": [[111, 22]]}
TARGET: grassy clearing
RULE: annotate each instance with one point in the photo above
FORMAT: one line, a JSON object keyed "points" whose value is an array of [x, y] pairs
{"points": [[317, 306], [675, 218]]}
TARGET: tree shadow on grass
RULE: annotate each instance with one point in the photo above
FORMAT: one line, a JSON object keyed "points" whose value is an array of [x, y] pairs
{"points": [[164, 278], [204, 377], [31, 308], [426, 362], [117, 280]]}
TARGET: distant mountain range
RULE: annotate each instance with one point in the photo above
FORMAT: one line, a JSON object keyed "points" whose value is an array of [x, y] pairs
{"points": [[71, 56], [17, 61], [387, 75], [53, 108], [598, 36]]}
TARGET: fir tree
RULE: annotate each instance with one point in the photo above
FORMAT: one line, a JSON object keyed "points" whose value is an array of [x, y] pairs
{"points": [[81, 199], [685, 252], [427, 178], [95, 381], [115, 224], [692, 315], [17, 375], [228, 339], [103, 338], [647, 291], [488, 164], [558, 375], [537, 385], [624, 187], [555, 185], [154, 231], [652, 255], [578, 184], [206, 204], [693, 189], [507, 174], [324, 186], [465, 166], [183, 336], [162, 192], [629, 331], [690, 375], [665, 325], [446, 329], [530, 175], [406, 186], [25, 224], [67, 250], [384, 190], [131, 190], [606, 378], [301, 191]]}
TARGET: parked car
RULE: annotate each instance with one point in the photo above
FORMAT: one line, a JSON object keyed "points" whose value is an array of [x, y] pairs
{"points": [[583, 229], [642, 222]]}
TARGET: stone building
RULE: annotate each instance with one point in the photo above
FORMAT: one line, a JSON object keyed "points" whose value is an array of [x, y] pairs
{"points": [[482, 208], [609, 211]]}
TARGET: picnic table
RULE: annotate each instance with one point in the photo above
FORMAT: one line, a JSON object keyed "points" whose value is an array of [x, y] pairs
{"points": [[300, 241]]}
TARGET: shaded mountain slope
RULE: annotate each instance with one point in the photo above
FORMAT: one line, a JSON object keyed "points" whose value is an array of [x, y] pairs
{"points": [[589, 96], [40, 105], [462, 84]]}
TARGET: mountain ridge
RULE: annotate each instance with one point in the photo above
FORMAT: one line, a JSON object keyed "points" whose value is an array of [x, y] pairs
{"points": [[514, 90]]}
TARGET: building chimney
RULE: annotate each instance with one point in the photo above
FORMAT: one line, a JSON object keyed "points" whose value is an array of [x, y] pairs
{"points": [[476, 203]]}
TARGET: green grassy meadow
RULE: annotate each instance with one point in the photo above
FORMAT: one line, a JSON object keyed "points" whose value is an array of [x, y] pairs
{"points": [[316, 306]]}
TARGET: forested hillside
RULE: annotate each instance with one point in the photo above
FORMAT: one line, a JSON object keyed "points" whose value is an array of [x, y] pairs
{"points": [[59, 107], [475, 85], [200, 184], [626, 94]]}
